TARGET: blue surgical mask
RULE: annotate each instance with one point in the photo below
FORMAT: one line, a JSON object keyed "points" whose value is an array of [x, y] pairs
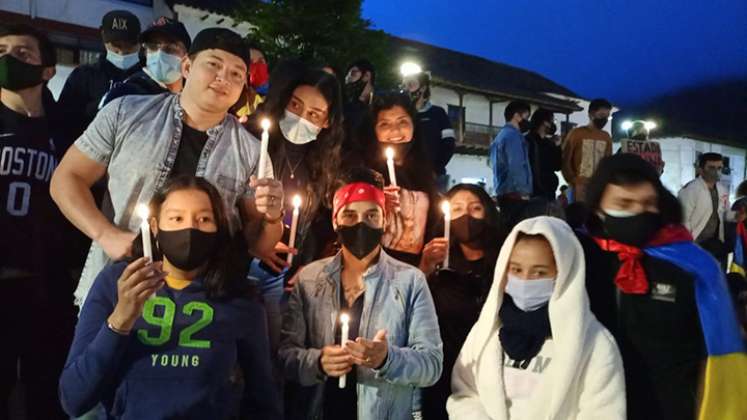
{"points": [[164, 68], [122, 62], [529, 295], [298, 130]]}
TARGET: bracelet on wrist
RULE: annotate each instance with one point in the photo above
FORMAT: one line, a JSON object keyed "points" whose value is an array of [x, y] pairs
{"points": [[117, 330]]}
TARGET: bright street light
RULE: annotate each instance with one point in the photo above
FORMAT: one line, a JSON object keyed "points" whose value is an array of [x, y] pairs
{"points": [[409, 68]]}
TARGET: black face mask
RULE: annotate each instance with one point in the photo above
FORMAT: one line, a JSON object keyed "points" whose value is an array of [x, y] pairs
{"points": [[524, 126], [466, 229], [16, 75], [354, 90], [635, 230], [599, 122], [187, 249], [360, 239]]}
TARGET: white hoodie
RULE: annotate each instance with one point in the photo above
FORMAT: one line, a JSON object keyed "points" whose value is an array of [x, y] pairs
{"points": [[585, 379]]}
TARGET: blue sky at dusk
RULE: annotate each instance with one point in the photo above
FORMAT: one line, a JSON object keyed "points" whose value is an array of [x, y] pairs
{"points": [[628, 51]]}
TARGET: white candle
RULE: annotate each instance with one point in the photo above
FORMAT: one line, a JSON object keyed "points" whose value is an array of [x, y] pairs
{"points": [[390, 164], [446, 208], [294, 226], [264, 144], [344, 319], [144, 213]]}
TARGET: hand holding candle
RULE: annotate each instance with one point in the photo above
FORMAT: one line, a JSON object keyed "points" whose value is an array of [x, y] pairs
{"points": [[294, 226], [344, 320], [144, 214], [264, 144], [390, 165], [446, 209]]}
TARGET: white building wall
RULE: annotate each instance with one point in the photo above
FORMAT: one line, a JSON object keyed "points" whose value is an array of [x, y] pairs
{"points": [[470, 166], [680, 154], [86, 13]]}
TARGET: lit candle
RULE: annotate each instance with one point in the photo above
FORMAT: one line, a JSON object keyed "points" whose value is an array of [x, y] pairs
{"points": [[294, 226], [263, 154], [390, 164], [344, 319], [144, 213], [446, 208]]}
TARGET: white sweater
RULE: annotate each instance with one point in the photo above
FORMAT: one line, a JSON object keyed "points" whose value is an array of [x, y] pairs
{"points": [[697, 206], [585, 379]]}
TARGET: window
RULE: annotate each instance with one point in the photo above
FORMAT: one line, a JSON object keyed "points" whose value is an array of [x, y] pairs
{"points": [[455, 112], [65, 56], [88, 56]]}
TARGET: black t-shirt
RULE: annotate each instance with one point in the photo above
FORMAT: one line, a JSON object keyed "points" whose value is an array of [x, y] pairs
{"points": [[431, 125], [658, 333], [339, 403], [190, 149], [31, 225]]}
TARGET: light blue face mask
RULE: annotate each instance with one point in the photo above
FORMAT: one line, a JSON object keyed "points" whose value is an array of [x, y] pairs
{"points": [[529, 295], [122, 62], [164, 68]]}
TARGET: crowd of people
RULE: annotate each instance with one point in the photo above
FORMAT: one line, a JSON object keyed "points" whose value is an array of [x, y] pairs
{"points": [[167, 253]]}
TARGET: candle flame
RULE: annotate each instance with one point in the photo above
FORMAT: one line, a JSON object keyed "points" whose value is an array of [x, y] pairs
{"points": [[296, 201], [142, 211], [389, 153], [445, 207], [344, 318], [265, 124]]}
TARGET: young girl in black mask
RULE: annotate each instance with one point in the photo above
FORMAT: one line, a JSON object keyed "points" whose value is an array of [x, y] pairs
{"points": [[160, 339], [459, 293]]}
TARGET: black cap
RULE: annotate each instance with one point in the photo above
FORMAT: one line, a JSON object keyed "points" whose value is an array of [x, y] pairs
{"points": [[222, 39], [120, 25], [169, 27]]}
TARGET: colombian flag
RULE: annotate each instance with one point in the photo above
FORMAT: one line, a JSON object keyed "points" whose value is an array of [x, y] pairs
{"points": [[737, 266], [725, 382]]}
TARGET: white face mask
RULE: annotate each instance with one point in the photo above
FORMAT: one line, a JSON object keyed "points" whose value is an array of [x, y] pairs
{"points": [[529, 295], [298, 130], [164, 68], [122, 62]]}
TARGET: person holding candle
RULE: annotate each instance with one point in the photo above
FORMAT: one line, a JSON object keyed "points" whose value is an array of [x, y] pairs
{"points": [[459, 293], [304, 153], [141, 141], [160, 339], [537, 351], [413, 204], [394, 345]]}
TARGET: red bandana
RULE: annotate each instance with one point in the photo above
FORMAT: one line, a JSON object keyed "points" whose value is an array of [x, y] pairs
{"points": [[631, 278], [357, 191]]}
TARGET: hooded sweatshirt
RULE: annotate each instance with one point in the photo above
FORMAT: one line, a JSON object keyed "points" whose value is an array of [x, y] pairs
{"points": [[176, 363], [584, 379]]}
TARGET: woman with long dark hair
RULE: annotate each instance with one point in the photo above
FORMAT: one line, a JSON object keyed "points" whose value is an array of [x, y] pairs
{"points": [[459, 293], [413, 205], [160, 339], [305, 106]]}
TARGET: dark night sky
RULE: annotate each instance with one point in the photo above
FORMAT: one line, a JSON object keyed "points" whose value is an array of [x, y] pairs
{"points": [[628, 51]]}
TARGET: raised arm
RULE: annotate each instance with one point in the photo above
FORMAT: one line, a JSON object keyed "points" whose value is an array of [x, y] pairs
{"points": [[85, 163]]}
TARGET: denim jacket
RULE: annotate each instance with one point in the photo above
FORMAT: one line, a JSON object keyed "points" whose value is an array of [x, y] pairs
{"points": [[397, 299], [509, 159], [137, 137]]}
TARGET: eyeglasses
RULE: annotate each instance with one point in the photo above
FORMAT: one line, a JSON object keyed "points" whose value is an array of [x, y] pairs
{"points": [[167, 47]]}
